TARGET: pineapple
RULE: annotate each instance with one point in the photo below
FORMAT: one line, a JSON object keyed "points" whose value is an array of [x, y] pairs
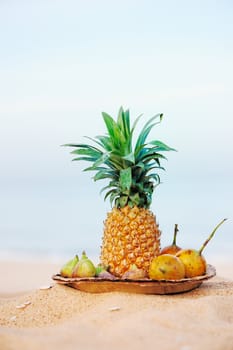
{"points": [[131, 234]]}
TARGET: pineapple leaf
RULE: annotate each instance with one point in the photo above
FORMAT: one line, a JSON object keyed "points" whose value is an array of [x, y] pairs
{"points": [[160, 146], [130, 157], [123, 122], [148, 154], [88, 159], [123, 201], [105, 142], [112, 194], [125, 178], [104, 174], [156, 177], [88, 152], [131, 171], [113, 130], [150, 167], [95, 141], [101, 160], [112, 197], [116, 161], [135, 199], [135, 123], [146, 130], [71, 145]]}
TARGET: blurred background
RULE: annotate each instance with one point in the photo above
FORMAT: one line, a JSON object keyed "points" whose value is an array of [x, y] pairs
{"points": [[64, 62]]}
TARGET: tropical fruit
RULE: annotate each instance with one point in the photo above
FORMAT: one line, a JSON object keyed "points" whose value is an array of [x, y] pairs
{"points": [[193, 260], [134, 273], [131, 232], [131, 236], [67, 269], [166, 267], [84, 268], [173, 248]]}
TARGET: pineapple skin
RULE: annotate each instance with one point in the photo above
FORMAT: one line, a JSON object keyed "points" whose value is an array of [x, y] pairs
{"points": [[131, 236]]}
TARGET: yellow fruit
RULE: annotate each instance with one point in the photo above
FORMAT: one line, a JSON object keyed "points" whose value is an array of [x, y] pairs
{"points": [[173, 248], [194, 262], [166, 267], [131, 236]]}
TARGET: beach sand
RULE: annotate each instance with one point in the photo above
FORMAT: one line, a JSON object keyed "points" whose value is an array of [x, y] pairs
{"points": [[65, 318]]}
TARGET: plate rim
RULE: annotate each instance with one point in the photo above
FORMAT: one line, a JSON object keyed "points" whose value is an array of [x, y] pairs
{"points": [[210, 272]]}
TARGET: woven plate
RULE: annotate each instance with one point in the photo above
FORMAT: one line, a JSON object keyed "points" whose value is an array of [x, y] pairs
{"points": [[145, 286]]}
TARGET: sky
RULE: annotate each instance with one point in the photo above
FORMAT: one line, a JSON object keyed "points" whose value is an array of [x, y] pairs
{"points": [[64, 62]]}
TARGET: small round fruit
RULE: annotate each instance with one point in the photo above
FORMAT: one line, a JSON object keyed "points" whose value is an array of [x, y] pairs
{"points": [[173, 248], [170, 249], [166, 267], [67, 269], [134, 273], [194, 262], [84, 268]]}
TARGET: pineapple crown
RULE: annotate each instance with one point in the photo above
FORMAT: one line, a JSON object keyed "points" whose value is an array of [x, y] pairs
{"points": [[131, 170]]}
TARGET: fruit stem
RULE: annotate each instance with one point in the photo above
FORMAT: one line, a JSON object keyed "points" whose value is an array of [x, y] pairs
{"points": [[211, 236], [175, 233]]}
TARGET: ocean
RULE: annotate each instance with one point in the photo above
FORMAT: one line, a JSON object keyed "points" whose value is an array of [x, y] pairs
{"points": [[56, 221]]}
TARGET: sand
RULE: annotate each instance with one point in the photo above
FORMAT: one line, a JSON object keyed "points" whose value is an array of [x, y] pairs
{"points": [[64, 318]]}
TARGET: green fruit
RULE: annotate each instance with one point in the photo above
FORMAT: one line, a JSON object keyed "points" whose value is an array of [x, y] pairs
{"points": [[67, 269], [84, 268], [99, 269]]}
